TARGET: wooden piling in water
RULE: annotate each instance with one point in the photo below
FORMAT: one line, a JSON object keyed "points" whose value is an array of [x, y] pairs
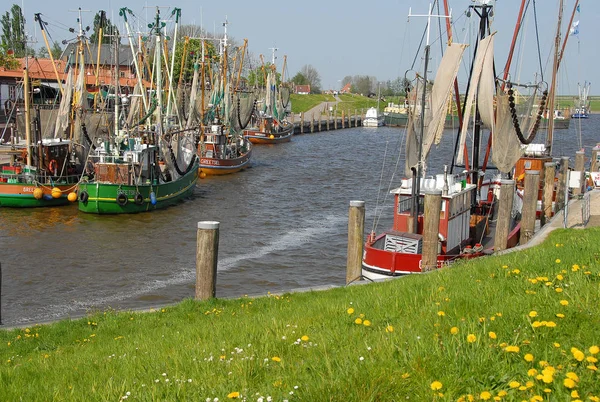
{"points": [[356, 230], [312, 123], [335, 120], [563, 176], [530, 198], [301, 122], [207, 251], [431, 229], [505, 206], [549, 174], [580, 167]]}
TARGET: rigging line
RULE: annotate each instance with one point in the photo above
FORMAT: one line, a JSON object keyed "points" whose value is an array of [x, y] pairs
{"points": [[376, 217], [537, 35]]}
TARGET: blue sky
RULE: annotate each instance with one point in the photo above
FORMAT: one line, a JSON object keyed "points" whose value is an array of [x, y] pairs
{"points": [[340, 38]]}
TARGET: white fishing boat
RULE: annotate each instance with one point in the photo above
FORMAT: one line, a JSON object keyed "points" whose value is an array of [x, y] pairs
{"points": [[373, 118]]}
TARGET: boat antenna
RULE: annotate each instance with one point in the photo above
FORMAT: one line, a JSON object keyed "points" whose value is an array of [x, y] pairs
{"points": [[417, 187]]}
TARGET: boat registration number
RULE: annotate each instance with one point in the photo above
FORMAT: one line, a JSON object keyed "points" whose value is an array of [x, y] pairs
{"points": [[28, 189], [209, 162]]}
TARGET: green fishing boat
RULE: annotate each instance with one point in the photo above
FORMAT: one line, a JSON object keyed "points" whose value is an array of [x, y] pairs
{"points": [[147, 164]]}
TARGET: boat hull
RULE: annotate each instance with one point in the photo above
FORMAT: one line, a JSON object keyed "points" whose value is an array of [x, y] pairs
{"points": [[259, 137], [20, 195], [383, 264], [101, 198], [216, 166]]}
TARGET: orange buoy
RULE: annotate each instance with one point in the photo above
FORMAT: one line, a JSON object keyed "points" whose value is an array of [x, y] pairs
{"points": [[56, 193], [202, 175], [38, 193], [271, 136], [72, 196]]}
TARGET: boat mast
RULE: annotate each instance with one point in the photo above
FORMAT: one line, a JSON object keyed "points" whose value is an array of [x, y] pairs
{"points": [[416, 188], [553, 85], [27, 111]]}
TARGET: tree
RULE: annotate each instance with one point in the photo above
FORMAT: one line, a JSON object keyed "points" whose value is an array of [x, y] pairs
{"points": [[110, 32], [7, 61], [56, 50], [13, 30], [313, 78], [193, 51], [300, 79]]}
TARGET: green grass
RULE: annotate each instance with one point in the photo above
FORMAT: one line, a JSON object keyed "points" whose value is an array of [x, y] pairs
{"points": [[387, 341], [303, 103]]}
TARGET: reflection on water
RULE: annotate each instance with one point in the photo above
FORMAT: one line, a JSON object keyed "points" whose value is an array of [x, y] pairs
{"points": [[283, 226]]}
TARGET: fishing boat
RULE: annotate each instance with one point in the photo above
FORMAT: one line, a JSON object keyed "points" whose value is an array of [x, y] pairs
{"points": [[467, 202], [270, 125], [222, 148], [147, 166], [39, 173], [582, 103]]}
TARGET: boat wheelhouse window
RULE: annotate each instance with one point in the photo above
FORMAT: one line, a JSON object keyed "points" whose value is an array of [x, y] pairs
{"points": [[405, 204]]}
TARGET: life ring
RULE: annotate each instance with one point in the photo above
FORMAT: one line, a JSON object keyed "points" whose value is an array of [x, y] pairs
{"points": [[83, 196], [53, 166], [122, 199], [138, 199]]}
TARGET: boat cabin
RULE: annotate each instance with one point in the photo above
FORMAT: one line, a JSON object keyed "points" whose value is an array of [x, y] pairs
{"points": [[455, 215], [135, 166]]}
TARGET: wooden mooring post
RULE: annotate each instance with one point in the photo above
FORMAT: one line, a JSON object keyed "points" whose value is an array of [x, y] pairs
{"points": [[335, 120], [356, 230], [328, 118], [505, 206], [530, 198], [301, 122], [547, 210], [431, 229], [207, 252], [580, 167], [312, 123], [563, 176]]}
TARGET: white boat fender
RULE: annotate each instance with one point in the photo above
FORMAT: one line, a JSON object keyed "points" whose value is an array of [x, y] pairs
{"points": [[83, 197], [138, 199], [441, 237], [152, 198], [122, 199]]}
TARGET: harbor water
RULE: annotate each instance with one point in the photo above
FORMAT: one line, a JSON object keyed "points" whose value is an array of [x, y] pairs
{"points": [[283, 226]]}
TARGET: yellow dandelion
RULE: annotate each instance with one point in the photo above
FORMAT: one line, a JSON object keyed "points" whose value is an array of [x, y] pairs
{"points": [[512, 349], [522, 388], [592, 367], [560, 315], [389, 328], [536, 398], [533, 314], [485, 395], [367, 323], [594, 398], [532, 372], [559, 277], [233, 395], [577, 354], [454, 330], [569, 383], [304, 338], [492, 335], [536, 324], [574, 394], [350, 311], [405, 375], [575, 268], [557, 261], [558, 290], [594, 349], [436, 385], [471, 338], [514, 384], [502, 393], [550, 324], [573, 376], [539, 377], [528, 357], [276, 359], [441, 313], [548, 378], [516, 271], [358, 321]]}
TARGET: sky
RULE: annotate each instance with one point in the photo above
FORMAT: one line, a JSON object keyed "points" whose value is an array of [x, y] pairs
{"points": [[342, 38]]}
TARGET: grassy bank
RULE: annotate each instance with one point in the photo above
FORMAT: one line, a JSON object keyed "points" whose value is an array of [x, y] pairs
{"points": [[523, 326], [303, 103]]}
